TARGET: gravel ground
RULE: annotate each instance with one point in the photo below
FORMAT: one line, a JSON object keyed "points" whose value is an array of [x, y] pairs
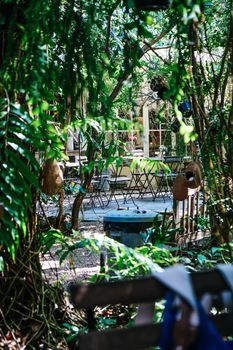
{"points": [[79, 265]]}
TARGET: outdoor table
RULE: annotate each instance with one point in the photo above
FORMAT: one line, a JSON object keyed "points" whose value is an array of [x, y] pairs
{"points": [[141, 179], [149, 177]]}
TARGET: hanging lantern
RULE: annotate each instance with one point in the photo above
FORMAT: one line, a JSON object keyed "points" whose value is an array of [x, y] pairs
{"points": [[152, 5], [175, 126], [186, 109]]}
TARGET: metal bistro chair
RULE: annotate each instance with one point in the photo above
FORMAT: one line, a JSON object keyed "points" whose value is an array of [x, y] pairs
{"points": [[137, 184], [98, 195], [141, 181], [118, 184]]}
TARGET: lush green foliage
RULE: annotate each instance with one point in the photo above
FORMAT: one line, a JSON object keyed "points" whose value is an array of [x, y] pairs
{"points": [[18, 175], [205, 64], [198, 68], [64, 63], [48, 66], [48, 72], [160, 232]]}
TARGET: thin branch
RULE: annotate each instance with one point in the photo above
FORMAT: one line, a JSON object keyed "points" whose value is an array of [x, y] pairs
{"points": [[44, 214], [108, 35], [226, 53], [156, 54], [107, 43], [145, 48], [124, 75]]}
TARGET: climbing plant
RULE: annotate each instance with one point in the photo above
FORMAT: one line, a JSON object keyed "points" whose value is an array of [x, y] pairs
{"points": [[204, 45], [61, 63], [65, 62]]}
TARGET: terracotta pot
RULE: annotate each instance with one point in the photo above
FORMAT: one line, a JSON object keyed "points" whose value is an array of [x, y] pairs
{"points": [[180, 189], [52, 177], [193, 175]]}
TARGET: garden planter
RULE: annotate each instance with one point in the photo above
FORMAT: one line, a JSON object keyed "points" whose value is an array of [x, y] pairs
{"points": [[162, 92], [157, 84], [125, 225], [52, 177], [193, 175], [180, 189]]}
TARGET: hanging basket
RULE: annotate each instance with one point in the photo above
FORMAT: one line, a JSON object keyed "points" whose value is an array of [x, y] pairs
{"points": [[193, 175], [163, 93], [180, 189], [52, 177], [157, 83]]}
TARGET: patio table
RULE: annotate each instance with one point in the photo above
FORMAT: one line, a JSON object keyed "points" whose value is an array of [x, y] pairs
{"points": [[141, 179], [149, 176]]}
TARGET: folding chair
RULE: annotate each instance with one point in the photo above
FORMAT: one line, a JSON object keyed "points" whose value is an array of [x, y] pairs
{"points": [[137, 184], [118, 184], [98, 193]]}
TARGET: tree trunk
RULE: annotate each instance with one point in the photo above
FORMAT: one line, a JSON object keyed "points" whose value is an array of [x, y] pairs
{"points": [[79, 200], [61, 209], [91, 156]]}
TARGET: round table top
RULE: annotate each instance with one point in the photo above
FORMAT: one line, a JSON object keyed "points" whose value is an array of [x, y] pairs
{"points": [[130, 215]]}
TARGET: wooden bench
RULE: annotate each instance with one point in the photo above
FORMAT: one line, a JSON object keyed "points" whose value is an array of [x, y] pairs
{"points": [[145, 291], [186, 216]]}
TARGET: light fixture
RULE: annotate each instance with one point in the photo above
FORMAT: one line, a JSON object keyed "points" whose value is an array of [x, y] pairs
{"points": [[185, 108], [151, 5]]}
